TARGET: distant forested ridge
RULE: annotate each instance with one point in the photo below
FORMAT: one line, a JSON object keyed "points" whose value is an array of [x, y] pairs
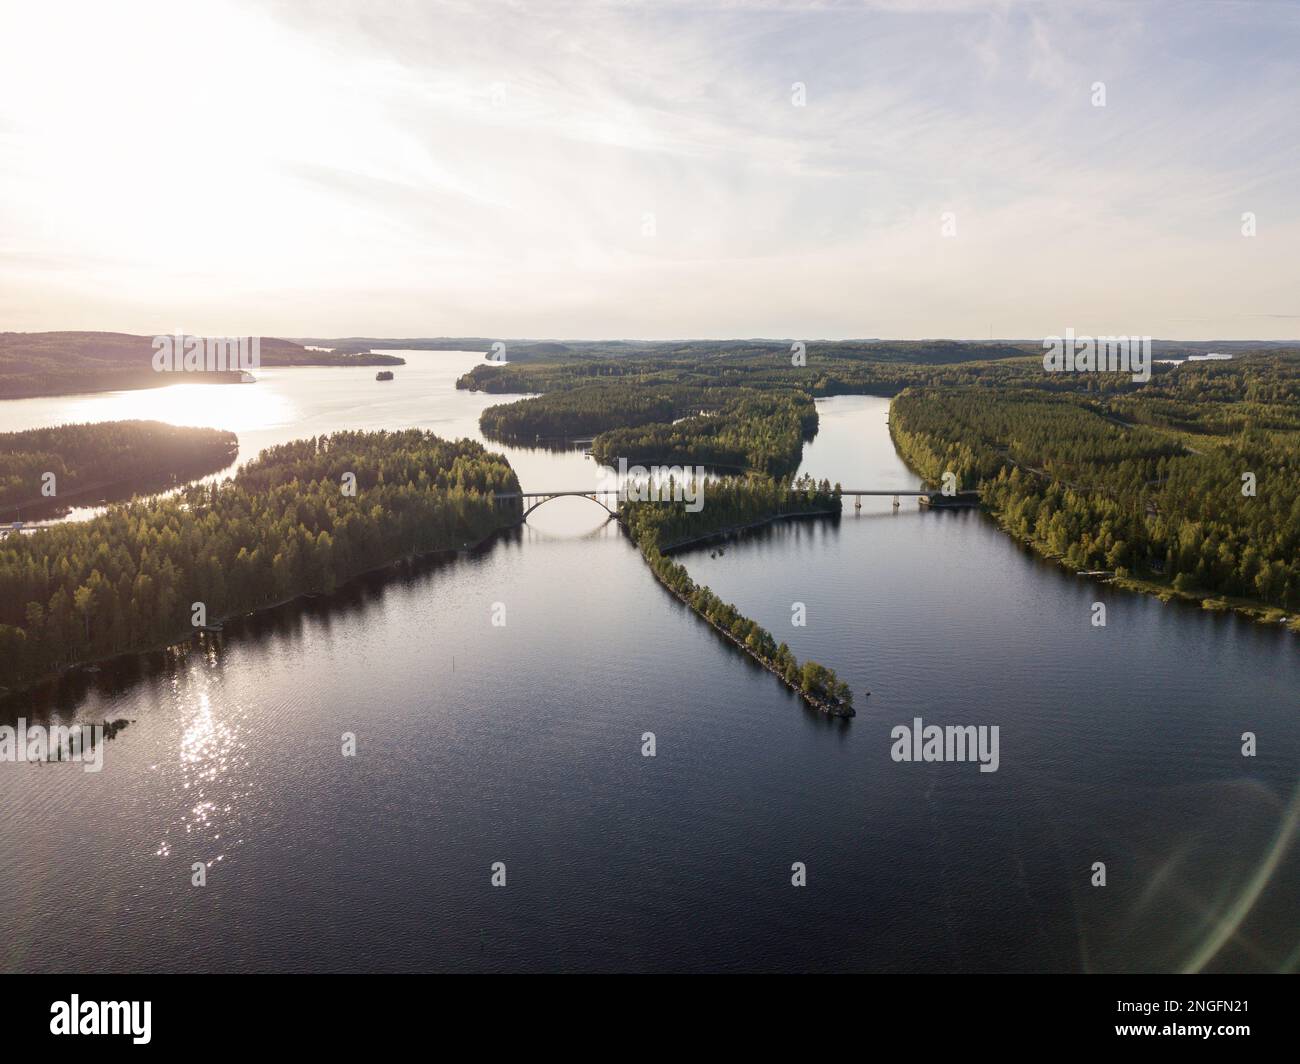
{"points": [[281, 527], [148, 455], [685, 351], [1191, 481], [831, 369], [64, 363], [919, 352], [733, 503]]}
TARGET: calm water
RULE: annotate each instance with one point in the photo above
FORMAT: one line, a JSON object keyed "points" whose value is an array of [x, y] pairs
{"points": [[522, 744]]}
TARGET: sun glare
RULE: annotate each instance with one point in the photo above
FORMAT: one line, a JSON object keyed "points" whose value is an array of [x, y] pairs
{"points": [[237, 407]]}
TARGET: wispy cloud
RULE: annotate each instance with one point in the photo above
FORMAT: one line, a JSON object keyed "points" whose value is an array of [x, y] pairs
{"points": [[629, 169]]}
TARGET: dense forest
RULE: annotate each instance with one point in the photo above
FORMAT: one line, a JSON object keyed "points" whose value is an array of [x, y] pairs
{"points": [[822, 372], [1192, 482], [586, 411], [64, 363], [754, 431], [284, 525], [738, 417], [735, 502], [741, 409], [1141, 479], [148, 455]]}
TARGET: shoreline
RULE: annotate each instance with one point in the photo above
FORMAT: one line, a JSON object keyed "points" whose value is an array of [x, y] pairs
{"points": [[127, 484], [184, 636], [831, 709], [1254, 609], [726, 533], [1259, 612], [134, 381]]}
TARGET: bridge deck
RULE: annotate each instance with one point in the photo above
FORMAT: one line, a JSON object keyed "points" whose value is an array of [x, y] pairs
{"points": [[553, 494], [926, 496], [614, 491]]}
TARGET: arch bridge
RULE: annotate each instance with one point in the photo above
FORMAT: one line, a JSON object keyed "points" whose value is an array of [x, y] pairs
{"points": [[534, 499], [927, 496]]}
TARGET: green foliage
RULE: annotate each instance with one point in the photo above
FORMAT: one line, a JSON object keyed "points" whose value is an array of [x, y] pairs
{"points": [[1098, 469], [578, 412], [754, 431], [282, 526], [737, 405], [82, 457], [732, 503], [1149, 481], [60, 363], [729, 503]]}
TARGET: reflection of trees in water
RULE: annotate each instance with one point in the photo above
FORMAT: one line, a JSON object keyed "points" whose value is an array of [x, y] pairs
{"points": [[60, 698]]}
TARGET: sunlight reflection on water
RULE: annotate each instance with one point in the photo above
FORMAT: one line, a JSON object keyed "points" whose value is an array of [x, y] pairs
{"points": [[213, 766], [237, 407]]}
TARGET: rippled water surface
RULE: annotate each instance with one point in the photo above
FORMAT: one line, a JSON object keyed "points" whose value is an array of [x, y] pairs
{"points": [[522, 744]]}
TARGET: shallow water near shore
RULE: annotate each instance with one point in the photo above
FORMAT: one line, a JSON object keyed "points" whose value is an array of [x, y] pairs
{"points": [[523, 744]]}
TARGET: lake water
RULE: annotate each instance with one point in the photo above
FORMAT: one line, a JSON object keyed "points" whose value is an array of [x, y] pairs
{"points": [[522, 744]]}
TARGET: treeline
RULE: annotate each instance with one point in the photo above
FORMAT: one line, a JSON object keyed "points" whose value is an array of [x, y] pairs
{"points": [[1143, 478], [824, 372], [145, 454], [688, 353], [1196, 484], [578, 412], [286, 524], [761, 432], [693, 352], [662, 420], [734, 502], [741, 405], [63, 363]]}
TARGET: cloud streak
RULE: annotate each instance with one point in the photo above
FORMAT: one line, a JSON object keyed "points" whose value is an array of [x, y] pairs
{"points": [[636, 170]]}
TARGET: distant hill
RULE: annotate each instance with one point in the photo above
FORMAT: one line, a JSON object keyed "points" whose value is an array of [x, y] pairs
{"points": [[929, 352], [526, 350], [362, 344], [63, 363]]}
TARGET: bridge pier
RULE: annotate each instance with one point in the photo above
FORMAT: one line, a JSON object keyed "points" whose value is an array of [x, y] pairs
{"points": [[895, 502], [857, 502]]}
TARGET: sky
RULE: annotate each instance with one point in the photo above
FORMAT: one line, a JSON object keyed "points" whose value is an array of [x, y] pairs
{"points": [[658, 171]]}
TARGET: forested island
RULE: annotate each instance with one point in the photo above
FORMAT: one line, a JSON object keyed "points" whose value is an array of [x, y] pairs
{"points": [[65, 363], [735, 503], [1186, 485], [143, 456], [301, 517], [741, 408], [737, 429]]}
